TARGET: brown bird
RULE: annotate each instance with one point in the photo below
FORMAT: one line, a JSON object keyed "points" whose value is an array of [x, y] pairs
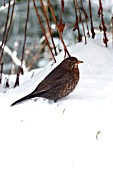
{"points": [[59, 83]]}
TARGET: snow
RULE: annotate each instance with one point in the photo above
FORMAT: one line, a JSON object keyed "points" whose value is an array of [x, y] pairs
{"points": [[74, 133]]}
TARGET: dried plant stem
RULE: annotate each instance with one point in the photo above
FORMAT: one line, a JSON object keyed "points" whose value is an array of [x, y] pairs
{"points": [[17, 78], [91, 20], [25, 34], [81, 22], [61, 23], [4, 2], [6, 32], [1, 70], [86, 18], [62, 6], [20, 69], [112, 29], [4, 35], [58, 28], [47, 21], [10, 22], [104, 28], [42, 28], [77, 24]]}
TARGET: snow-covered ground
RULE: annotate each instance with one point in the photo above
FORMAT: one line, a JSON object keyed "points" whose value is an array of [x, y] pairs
{"points": [[74, 133]]}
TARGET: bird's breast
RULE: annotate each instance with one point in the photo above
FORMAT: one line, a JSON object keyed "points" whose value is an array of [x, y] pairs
{"points": [[71, 82]]}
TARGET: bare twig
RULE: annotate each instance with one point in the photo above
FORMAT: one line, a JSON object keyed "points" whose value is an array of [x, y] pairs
{"points": [[1, 70], [76, 26], [91, 20], [11, 19], [6, 32], [42, 28], [81, 21], [4, 35], [62, 23], [4, 2], [86, 18], [25, 32], [112, 29], [103, 27], [20, 69], [58, 28], [3, 43], [62, 5], [47, 21], [17, 78]]}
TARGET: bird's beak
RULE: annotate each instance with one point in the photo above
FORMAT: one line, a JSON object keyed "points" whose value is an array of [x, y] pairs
{"points": [[78, 62]]}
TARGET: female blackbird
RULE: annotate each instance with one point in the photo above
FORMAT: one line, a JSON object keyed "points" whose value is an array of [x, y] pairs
{"points": [[58, 83]]}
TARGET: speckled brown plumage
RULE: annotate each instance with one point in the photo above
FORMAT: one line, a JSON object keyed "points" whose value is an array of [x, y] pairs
{"points": [[58, 83]]}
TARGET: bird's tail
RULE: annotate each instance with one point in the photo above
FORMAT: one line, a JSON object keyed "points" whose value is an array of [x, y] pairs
{"points": [[21, 100], [29, 96]]}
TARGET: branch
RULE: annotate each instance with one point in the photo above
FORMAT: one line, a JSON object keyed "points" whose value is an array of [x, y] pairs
{"points": [[42, 28], [47, 21], [4, 35], [112, 29], [86, 18], [4, 2], [103, 28], [81, 21], [91, 20], [58, 28], [76, 26], [25, 34], [1, 71], [6, 32], [20, 69]]}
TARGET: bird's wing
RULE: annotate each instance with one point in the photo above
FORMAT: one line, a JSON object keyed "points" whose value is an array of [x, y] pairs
{"points": [[61, 81], [55, 74], [49, 80]]}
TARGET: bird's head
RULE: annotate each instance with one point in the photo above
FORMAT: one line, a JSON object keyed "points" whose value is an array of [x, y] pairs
{"points": [[71, 63]]}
